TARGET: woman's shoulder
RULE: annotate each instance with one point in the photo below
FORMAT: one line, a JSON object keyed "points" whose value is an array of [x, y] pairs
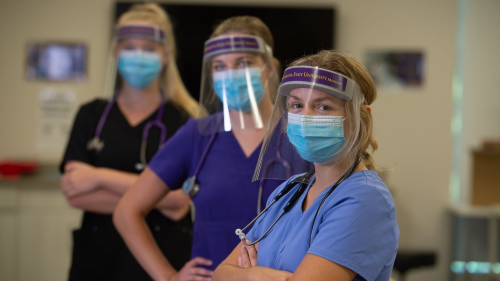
{"points": [[366, 187], [199, 128], [95, 106], [210, 124]]}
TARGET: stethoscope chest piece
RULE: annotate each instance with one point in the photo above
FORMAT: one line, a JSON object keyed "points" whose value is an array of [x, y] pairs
{"points": [[190, 186], [95, 144]]}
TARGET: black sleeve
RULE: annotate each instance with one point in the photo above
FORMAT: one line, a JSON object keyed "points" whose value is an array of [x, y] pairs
{"points": [[81, 133]]}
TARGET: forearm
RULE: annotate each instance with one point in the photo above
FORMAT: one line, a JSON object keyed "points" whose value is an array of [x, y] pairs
{"points": [[119, 182], [99, 201], [226, 272], [174, 200], [140, 241], [115, 181]]}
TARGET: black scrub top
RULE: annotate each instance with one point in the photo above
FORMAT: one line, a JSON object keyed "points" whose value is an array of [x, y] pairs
{"points": [[99, 252]]}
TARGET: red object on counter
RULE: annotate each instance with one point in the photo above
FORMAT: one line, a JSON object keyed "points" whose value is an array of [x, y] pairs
{"points": [[16, 168]]}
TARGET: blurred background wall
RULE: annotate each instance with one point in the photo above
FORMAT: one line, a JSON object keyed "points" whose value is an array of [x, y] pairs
{"points": [[412, 127]]}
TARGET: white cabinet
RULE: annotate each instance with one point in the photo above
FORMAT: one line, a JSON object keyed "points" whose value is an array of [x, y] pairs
{"points": [[36, 225]]}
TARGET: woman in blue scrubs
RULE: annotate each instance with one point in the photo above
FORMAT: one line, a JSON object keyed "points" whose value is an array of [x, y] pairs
{"points": [[213, 157], [341, 223]]}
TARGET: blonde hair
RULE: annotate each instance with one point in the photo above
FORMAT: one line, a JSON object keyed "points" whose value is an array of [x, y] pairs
{"points": [[252, 26], [175, 90], [362, 131]]}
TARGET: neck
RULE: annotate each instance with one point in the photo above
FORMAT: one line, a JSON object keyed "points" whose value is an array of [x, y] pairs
{"points": [[326, 175], [139, 97], [265, 110]]}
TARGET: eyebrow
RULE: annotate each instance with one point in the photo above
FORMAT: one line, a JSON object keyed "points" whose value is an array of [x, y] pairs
{"points": [[248, 56], [314, 100]]}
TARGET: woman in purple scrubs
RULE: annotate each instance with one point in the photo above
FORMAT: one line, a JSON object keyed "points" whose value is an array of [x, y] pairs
{"points": [[213, 158]]}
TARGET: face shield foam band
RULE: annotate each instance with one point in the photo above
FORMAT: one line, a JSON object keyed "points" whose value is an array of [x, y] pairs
{"points": [[317, 78], [233, 44], [140, 32]]}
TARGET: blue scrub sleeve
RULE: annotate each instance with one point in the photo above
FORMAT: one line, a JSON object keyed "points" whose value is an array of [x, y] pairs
{"points": [[358, 232], [173, 162]]}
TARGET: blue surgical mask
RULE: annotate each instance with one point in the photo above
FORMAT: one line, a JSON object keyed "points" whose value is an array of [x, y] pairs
{"points": [[139, 68], [317, 139], [234, 84]]}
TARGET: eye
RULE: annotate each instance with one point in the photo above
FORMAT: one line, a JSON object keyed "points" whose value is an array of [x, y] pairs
{"points": [[219, 67], [324, 107], [245, 63], [149, 49], [129, 47], [296, 105]]}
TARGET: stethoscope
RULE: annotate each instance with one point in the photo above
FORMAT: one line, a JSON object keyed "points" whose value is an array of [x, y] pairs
{"points": [[97, 144], [275, 159], [304, 183], [192, 188]]}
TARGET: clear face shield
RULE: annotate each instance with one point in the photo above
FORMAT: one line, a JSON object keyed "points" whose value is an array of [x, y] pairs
{"points": [[315, 119], [238, 77], [138, 67]]}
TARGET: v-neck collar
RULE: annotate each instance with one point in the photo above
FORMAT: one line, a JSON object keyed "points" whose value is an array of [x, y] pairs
{"points": [[140, 124], [238, 147]]}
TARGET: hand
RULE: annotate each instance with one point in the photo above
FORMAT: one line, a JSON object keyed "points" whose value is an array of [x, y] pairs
{"points": [[79, 178], [248, 255], [191, 272]]}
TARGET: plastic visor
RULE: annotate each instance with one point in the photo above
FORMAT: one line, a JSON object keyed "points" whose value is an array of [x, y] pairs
{"points": [[238, 75], [279, 158]]}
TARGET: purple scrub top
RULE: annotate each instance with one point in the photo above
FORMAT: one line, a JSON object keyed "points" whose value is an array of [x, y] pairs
{"points": [[227, 199]]}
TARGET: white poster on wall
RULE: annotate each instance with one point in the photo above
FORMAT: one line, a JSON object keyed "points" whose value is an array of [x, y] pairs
{"points": [[56, 110]]}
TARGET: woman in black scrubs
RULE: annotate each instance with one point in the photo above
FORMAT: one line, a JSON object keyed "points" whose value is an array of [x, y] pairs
{"points": [[111, 143]]}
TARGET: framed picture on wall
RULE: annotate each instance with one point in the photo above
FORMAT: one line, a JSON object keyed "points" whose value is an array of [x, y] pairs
{"points": [[396, 69], [56, 61]]}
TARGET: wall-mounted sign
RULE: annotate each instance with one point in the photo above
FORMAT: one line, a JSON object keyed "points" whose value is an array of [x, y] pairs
{"points": [[56, 109]]}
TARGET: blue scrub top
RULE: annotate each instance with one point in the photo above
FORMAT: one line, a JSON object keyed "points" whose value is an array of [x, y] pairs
{"points": [[356, 227], [227, 199]]}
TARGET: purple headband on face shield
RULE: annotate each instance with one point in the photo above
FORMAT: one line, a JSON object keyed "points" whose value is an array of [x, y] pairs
{"points": [[232, 44], [142, 32], [317, 78]]}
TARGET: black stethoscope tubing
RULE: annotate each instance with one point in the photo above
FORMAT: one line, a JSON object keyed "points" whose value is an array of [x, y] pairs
{"points": [[304, 183]]}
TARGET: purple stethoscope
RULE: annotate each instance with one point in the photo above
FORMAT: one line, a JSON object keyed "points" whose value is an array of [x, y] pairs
{"points": [[97, 144], [192, 188]]}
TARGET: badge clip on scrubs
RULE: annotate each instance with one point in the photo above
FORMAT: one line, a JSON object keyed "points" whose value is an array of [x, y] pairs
{"points": [[295, 77]]}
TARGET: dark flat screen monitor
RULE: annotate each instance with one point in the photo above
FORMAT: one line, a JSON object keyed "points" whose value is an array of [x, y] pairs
{"points": [[296, 31]]}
